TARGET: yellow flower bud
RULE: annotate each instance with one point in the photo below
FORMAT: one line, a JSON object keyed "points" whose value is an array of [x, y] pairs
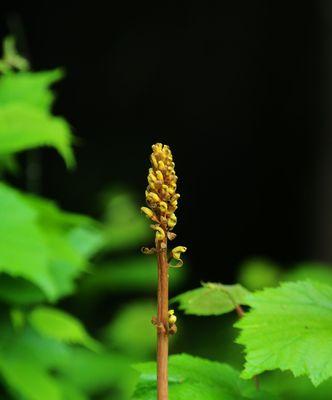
{"points": [[170, 312], [153, 197], [172, 319], [159, 176], [154, 161], [160, 234], [177, 251], [161, 166], [149, 213], [172, 221], [163, 206]]}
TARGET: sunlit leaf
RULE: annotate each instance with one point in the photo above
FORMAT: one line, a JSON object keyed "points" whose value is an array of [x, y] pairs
{"points": [[212, 299], [23, 251], [24, 127], [31, 88], [314, 271], [289, 328]]}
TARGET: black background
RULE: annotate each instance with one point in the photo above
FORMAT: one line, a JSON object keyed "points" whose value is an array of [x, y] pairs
{"points": [[234, 87]]}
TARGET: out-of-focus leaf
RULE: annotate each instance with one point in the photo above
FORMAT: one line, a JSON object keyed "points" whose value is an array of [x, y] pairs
{"points": [[259, 273], [124, 226], [94, 373], [29, 379], [290, 388], [289, 328], [24, 127], [69, 252], [212, 299], [8, 163], [23, 251], [314, 271], [31, 88], [58, 325], [129, 275], [17, 318], [87, 240], [70, 391], [19, 291], [131, 331], [197, 379]]}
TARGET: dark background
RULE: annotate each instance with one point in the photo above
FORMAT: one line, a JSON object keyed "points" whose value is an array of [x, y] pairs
{"points": [[236, 88]]}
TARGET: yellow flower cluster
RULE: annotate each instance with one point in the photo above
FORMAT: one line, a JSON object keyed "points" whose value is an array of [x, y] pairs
{"points": [[161, 196], [162, 199]]}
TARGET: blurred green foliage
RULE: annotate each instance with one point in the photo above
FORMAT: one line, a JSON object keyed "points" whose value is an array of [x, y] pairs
{"points": [[51, 259], [58, 269]]}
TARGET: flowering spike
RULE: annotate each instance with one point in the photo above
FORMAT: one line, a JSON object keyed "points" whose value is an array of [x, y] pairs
{"points": [[161, 196]]}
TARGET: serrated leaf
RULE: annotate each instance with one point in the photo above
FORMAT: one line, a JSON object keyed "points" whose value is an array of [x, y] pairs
{"points": [[196, 379], [69, 252], [24, 127], [23, 251], [37, 245], [314, 271], [31, 88], [289, 328], [58, 325], [212, 299]]}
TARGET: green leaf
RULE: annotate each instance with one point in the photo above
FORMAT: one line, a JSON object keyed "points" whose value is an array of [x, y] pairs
{"points": [[196, 379], [138, 274], [131, 331], [58, 325], [212, 299], [24, 127], [124, 226], [38, 244], [258, 273], [19, 291], [289, 328], [290, 388], [94, 373], [30, 88], [23, 251], [29, 379], [314, 271], [71, 239]]}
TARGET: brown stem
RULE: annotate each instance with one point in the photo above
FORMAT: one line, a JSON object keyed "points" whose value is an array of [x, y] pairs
{"points": [[239, 311], [162, 343]]}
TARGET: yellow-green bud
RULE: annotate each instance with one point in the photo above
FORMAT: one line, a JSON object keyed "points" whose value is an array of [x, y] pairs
{"points": [[160, 234], [153, 197], [172, 221], [177, 251], [149, 213], [163, 206]]}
